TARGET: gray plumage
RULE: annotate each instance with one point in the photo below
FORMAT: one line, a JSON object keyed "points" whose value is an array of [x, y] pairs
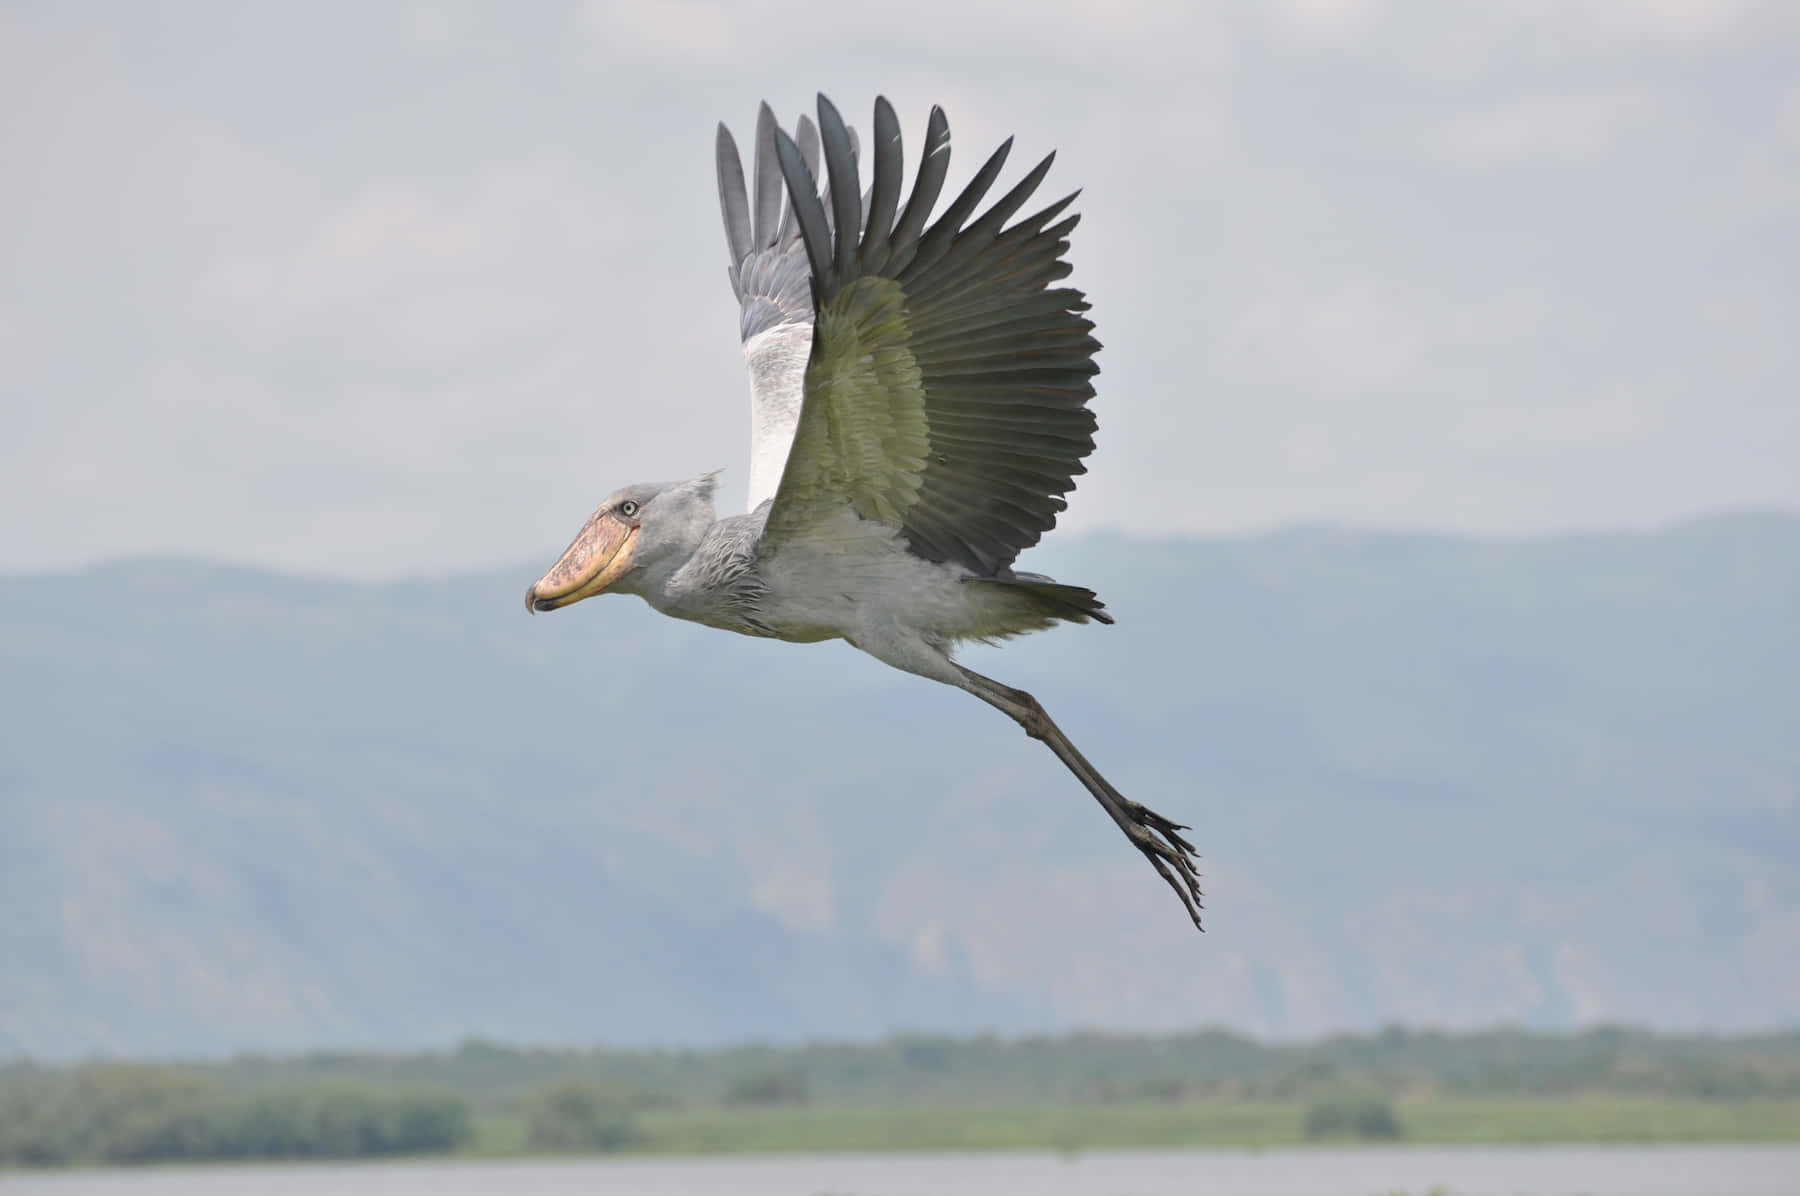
{"points": [[918, 413], [768, 264]]}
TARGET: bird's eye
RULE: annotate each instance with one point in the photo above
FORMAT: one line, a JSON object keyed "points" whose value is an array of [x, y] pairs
{"points": [[628, 508]]}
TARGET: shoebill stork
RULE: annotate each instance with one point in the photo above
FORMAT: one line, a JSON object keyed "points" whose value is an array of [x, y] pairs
{"points": [[919, 393]]}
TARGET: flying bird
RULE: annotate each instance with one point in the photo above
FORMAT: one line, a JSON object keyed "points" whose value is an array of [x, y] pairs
{"points": [[919, 407]]}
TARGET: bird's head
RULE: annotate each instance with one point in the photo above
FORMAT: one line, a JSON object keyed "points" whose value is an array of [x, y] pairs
{"points": [[636, 538]]}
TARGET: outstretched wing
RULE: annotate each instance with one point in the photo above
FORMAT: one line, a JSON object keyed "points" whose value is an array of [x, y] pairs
{"points": [[770, 278], [946, 392]]}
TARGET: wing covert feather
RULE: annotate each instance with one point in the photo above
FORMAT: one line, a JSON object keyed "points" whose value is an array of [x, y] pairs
{"points": [[947, 387]]}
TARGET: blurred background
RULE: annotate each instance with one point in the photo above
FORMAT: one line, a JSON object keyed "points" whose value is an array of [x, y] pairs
{"points": [[386, 289], [1448, 496]]}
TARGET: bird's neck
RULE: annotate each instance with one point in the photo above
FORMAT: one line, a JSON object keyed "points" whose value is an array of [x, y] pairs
{"points": [[717, 584], [664, 583]]}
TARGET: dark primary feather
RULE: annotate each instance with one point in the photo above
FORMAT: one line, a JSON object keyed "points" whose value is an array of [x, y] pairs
{"points": [[1005, 359], [769, 272], [808, 212], [884, 192], [732, 204], [929, 182], [808, 139], [846, 197], [768, 180]]}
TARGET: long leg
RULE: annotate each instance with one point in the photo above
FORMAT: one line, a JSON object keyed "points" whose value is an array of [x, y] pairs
{"points": [[1157, 837]]}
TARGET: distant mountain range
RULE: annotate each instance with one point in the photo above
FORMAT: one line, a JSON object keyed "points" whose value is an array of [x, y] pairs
{"points": [[1435, 780]]}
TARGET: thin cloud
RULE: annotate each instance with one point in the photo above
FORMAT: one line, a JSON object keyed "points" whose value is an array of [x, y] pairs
{"points": [[404, 294], [1557, 127]]}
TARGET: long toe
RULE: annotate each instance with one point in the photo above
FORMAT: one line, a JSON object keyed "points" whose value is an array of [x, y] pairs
{"points": [[1184, 887], [1183, 876]]}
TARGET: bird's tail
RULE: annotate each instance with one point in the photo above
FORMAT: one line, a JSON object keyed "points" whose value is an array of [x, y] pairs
{"points": [[1077, 604]]}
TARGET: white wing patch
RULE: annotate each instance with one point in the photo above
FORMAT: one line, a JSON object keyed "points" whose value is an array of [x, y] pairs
{"points": [[777, 362]]}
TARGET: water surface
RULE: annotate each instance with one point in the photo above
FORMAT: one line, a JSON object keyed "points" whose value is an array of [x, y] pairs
{"points": [[1375, 1171]]}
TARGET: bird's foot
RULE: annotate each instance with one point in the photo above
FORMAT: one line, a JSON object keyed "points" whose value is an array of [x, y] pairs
{"points": [[1157, 837], [1170, 853]]}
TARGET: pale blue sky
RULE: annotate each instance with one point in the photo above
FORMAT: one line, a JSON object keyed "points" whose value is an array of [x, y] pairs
{"points": [[312, 287]]}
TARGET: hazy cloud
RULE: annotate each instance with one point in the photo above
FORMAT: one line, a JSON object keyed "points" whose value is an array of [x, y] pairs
{"points": [[1555, 126], [1349, 339], [693, 29], [1328, 20], [410, 289]]}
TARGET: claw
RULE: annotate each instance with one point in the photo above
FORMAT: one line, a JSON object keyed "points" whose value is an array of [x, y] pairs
{"points": [[1146, 824], [1191, 902]]}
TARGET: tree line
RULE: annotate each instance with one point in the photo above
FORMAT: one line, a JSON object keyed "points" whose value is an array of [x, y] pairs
{"points": [[921, 1069], [132, 1113], [347, 1104]]}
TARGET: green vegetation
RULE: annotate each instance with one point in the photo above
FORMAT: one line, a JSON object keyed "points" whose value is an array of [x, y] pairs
{"points": [[579, 1116], [911, 1092], [766, 1087], [931, 1071], [1351, 1113], [1209, 1124], [126, 1113], [1025, 1127]]}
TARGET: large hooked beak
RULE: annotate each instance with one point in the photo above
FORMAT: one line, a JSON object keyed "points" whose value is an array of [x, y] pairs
{"points": [[600, 555]]}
